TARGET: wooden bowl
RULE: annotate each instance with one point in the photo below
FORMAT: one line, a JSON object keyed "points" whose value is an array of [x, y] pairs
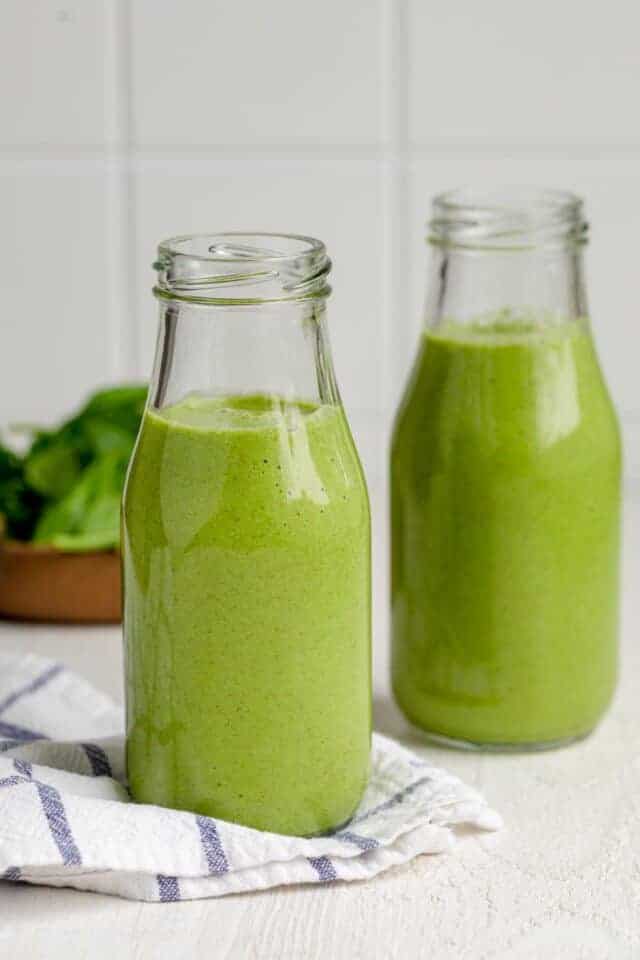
{"points": [[43, 583]]}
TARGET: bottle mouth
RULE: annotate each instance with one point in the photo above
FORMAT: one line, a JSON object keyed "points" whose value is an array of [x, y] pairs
{"points": [[242, 268], [515, 218]]}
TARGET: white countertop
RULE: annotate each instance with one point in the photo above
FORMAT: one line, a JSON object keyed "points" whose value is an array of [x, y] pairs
{"points": [[561, 881]]}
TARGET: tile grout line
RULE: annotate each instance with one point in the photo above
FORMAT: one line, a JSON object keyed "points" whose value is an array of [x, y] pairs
{"points": [[436, 143], [393, 51], [395, 192], [124, 352]]}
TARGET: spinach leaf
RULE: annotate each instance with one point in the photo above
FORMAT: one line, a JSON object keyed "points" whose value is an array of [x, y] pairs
{"points": [[121, 406], [51, 468], [90, 512], [19, 505], [66, 491]]}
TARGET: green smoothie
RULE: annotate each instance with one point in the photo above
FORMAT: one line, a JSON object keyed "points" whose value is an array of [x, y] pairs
{"points": [[247, 613], [505, 523]]}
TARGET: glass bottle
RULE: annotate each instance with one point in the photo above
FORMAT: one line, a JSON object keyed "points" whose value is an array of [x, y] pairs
{"points": [[246, 548], [505, 481]]}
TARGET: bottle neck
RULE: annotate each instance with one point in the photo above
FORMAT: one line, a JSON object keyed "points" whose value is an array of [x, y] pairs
{"points": [[243, 314], [280, 350], [513, 252], [536, 284]]}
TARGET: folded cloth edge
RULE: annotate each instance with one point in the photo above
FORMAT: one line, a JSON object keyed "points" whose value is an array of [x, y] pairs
{"points": [[413, 815]]}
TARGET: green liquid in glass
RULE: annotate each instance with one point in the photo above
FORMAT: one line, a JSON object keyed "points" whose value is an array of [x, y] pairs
{"points": [[247, 613], [505, 523]]}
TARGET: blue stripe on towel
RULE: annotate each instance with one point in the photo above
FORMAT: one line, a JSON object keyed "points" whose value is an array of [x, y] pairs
{"points": [[55, 813], [24, 768], [365, 843], [168, 888], [213, 851], [324, 868], [13, 781], [392, 801], [100, 766], [11, 873], [13, 732], [31, 687]]}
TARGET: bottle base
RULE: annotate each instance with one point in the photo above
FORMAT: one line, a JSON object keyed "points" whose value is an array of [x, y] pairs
{"points": [[480, 746]]}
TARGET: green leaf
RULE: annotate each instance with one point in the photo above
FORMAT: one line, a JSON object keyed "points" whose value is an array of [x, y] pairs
{"points": [[63, 516], [53, 468], [85, 542], [20, 507], [10, 464], [118, 405], [90, 513], [67, 489], [104, 437], [18, 504]]}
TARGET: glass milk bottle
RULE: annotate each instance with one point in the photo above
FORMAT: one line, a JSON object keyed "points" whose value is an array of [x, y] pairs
{"points": [[505, 480], [246, 548]]}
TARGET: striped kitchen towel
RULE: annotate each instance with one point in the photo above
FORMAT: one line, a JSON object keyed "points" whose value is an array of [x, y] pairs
{"points": [[66, 818]]}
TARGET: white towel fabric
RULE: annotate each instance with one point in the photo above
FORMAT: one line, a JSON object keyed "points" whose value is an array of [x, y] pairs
{"points": [[66, 818]]}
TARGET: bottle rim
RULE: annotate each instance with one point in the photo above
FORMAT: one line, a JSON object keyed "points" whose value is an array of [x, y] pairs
{"points": [[238, 267], [507, 218]]}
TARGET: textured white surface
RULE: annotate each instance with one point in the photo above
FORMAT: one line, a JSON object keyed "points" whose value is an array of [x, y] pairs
{"points": [[562, 881]]}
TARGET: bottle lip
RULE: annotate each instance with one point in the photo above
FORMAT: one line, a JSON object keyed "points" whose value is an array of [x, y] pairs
{"points": [[507, 218], [238, 267]]}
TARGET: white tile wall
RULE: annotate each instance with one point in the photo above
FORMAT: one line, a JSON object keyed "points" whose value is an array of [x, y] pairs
{"points": [[524, 72], [52, 73], [123, 121], [53, 247], [275, 72]]}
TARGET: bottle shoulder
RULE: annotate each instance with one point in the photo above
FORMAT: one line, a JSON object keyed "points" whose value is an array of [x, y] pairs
{"points": [[515, 399]]}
